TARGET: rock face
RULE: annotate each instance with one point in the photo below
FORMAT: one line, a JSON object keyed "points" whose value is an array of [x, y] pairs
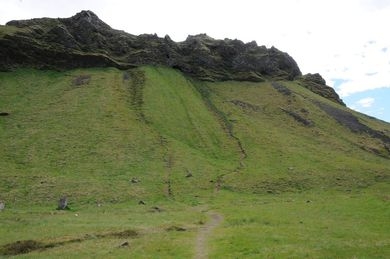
{"points": [[84, 40], [316, 84]]}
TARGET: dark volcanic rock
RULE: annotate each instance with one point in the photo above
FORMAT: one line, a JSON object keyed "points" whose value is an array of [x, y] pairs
{"points": [[299, 118], [281, 88], [316, 84], [83, 40], [350, 121], [314, 78]]}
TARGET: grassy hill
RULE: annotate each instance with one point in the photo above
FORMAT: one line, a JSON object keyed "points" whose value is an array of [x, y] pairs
{"points": [[293, 175]]}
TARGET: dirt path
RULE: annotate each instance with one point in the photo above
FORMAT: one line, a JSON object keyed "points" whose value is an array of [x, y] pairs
{"points": [[201, 247]]}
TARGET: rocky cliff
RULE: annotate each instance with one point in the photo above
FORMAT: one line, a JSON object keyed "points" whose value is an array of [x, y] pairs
{"points": [[83, 40]]}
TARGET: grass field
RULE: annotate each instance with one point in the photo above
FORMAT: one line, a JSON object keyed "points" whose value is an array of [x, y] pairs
{"points": [[284, 189]]}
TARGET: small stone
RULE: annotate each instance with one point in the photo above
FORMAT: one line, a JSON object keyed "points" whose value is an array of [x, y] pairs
{"points": [[2, 205], [134, 180], [81, 80], [156, 209], [62, 203], [124, 244]]}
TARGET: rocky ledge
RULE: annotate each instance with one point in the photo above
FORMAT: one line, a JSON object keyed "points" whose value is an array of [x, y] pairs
{"points": [[316, 84], [84, 40]]}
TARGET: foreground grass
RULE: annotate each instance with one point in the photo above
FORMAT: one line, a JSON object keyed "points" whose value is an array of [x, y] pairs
{"points": [[299, 192], [306, 225], [321, 224], [90, 231]]}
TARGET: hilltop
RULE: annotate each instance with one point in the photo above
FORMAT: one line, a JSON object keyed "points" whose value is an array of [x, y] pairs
{"points": [[184, 149], [84, 40]]}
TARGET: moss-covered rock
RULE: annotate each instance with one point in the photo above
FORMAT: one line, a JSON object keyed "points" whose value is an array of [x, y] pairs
{"points": [[83, 40], [316, 84]]}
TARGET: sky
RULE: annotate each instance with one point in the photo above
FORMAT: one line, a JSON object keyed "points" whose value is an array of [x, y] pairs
{"points": [[346, 41]]}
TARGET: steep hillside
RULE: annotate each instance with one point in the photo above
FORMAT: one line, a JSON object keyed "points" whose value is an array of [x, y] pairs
{"points": [[176, 150], [271, 136], [109, 139], [149, 124]]}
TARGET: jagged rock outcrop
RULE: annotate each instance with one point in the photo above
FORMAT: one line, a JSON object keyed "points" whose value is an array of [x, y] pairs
{"points": [[84, 40], [316, 84]]}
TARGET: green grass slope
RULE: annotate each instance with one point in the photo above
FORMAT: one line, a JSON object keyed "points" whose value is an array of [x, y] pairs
{"points": [[289, 180], [285, 154]]}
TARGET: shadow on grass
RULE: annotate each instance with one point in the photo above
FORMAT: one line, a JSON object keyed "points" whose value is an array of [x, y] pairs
{"points": [[27, 246]]}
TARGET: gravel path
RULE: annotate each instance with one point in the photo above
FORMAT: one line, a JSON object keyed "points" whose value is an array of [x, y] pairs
{"points": [[201, 246]]}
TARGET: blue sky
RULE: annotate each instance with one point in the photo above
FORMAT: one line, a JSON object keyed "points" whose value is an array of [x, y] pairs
{"points": [[374, 102], [363, 81], [346, 41]]}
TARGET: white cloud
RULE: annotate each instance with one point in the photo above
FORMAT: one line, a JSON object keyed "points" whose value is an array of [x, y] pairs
{"points": [[366, 68], [366, 102]]}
